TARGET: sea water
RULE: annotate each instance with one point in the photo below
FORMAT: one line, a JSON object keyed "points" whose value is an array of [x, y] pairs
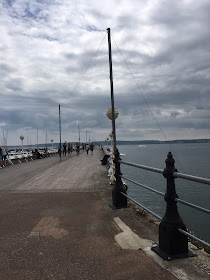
{"points": [[192, 159]]}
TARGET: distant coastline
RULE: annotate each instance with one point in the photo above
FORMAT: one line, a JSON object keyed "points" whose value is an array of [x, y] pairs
{"points": [[143, 142], [119, 142]]}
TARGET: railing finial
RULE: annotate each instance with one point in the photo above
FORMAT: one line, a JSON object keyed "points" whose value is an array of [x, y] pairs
{"points": [[171, 242]]}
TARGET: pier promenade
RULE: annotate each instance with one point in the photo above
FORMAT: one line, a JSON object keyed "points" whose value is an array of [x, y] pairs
{"points": [[56, 223]]}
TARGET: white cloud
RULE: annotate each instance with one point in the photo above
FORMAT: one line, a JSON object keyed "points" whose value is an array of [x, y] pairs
{"points": [[47, 46]]}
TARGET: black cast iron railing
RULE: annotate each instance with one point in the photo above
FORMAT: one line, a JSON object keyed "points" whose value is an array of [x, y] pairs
{"points": [[173, 234]]}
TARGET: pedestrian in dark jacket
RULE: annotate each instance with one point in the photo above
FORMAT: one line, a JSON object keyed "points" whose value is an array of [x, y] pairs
{"points": [[91, 148], [64, 149]]}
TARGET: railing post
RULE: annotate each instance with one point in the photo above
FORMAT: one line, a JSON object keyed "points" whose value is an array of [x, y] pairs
{"points": [[118, 200], [172, 244]]}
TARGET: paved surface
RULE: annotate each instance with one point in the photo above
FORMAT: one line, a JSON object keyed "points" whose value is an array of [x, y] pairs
{"points": [[72, 173], [56, 223]]}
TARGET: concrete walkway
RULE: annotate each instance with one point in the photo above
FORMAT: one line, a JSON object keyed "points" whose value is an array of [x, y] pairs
{"points": [[56, 223]]}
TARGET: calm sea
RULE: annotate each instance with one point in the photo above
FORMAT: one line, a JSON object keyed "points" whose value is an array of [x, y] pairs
{"points": [[193, 159]]}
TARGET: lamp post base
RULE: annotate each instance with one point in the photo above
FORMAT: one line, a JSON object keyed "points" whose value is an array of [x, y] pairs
{"points": [[169, 257], [118, 200], [116, 208]]}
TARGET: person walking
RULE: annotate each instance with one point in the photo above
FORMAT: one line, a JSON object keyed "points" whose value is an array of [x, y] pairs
{"points": [[77, 148], [91, 148], [4, 156], [64, 149], [1, 163], [69, 149], [87, 148]]}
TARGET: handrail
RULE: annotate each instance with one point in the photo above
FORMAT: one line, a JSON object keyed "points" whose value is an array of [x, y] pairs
{"points": [[191, 178], [145, 208], [194, 237], [143, 186], [175, 174], [193, 205], [159, 218], [142, 166], [162, 194]]}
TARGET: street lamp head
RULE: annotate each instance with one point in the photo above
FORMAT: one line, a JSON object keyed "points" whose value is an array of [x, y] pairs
{"points": [[21, 137], [109, 113], [52, 140], [111, 134]]}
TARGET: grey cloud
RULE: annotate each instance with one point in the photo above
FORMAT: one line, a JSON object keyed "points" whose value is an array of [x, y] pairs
{"points": [[6, 70], [15, 118], [69, 55], [172, 13], [15, 84], [9, 2], [174, 114], [93, 28], [98, 14], [31, 13]]}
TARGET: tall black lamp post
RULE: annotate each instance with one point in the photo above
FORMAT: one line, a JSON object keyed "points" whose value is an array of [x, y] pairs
{"points": [[112, 88], [118, 200]]}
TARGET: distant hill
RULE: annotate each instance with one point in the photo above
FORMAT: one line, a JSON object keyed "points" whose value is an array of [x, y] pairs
{"points": [[119, 142], [142, 142]]}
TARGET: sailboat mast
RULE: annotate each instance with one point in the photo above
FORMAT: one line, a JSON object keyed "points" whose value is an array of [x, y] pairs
{"points": [[37, 137], [59, 108]]}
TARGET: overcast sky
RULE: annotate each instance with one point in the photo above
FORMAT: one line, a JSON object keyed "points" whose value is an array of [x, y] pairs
{"points": [[56, 52]]}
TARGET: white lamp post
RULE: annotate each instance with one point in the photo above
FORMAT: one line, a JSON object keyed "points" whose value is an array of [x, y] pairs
{"points": [[52, 142], [22, 138]]}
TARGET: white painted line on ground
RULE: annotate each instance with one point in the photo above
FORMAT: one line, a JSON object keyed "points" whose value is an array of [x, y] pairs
{"points": [[127, 239]]}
